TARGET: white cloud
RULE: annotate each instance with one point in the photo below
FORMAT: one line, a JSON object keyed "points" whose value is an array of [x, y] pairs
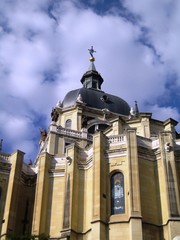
{"points": [[18, 130], [44, 54], [162, 20], [163, 113]]}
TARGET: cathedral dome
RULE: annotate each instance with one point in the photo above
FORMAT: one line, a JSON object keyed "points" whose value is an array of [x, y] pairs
{"points": [[92, 95], [97, 99]]}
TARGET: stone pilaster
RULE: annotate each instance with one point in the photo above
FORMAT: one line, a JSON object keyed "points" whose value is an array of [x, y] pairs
{"points": [[71, 198], [99, 188], [169, 195], [41, 199], [10, 211], [134, 186]]}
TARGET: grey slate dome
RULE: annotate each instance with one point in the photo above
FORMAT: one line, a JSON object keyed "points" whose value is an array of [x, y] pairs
{"points": [[92, 95]]}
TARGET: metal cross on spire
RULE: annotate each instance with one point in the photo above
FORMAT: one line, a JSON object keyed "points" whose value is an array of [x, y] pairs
{"points": [[91, 51]]}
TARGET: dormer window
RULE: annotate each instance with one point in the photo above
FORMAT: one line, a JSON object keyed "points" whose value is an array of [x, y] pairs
{"points": [[105, 98]]}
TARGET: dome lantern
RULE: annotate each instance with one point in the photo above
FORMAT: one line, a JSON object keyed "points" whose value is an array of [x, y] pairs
{"points": [[92, 95], [91, 78]]}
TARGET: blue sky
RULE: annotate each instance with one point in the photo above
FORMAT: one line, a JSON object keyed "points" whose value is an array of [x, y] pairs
{"points": [[44, 52]]}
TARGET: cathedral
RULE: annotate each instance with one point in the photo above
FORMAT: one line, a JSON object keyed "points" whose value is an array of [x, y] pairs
{"points": [[104, 171]]}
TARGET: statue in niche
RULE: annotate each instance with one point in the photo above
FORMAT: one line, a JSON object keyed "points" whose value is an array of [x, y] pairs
{"points": [[54, 115], [43, 134]]}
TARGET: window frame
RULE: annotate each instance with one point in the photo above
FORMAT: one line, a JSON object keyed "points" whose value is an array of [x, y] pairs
{"points": [[68, 123], [117, 205]]}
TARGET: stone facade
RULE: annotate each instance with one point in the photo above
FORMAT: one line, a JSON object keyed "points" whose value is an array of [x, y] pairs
{"points": [[120, 180], [17, 185]]}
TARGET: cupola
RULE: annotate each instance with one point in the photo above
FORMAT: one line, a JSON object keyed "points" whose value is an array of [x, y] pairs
{"points": [[92, 95]]}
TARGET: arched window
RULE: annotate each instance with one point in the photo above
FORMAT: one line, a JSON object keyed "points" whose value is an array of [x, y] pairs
{"points": [[68, 124], [117, 193]]}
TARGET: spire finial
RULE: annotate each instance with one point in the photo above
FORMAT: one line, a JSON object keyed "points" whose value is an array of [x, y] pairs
{"points": [[91, 51]]}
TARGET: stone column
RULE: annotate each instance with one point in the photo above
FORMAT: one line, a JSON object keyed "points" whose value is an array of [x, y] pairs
{"points": [[134, 186]]}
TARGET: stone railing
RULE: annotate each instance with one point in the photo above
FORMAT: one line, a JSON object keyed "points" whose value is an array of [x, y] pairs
{"points": [[155, 143], [5, 156], [147, 142], [118, 139], [72, 133], [69, 132]]}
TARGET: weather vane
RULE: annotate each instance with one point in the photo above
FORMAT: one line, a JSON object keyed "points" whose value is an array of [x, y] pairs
{"points": [[91, 51]]}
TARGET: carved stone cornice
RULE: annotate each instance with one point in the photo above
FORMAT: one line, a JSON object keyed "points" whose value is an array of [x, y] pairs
{"points": [[58, 172], [113, 153], [85, 163], [28, 180]]}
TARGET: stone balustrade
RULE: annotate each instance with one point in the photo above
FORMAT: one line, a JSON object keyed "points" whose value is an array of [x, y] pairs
{"points": [[118, 139], [69, 132], [5, 156], [72, 133]]}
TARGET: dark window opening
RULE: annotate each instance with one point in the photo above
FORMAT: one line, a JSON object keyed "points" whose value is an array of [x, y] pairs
{"points": [[65, 146], [94, 84], [97, 127], [25, 221], [88, 83]]}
